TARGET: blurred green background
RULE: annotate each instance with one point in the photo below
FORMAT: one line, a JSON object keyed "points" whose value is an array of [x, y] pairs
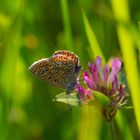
{"points": [[30, 30]]}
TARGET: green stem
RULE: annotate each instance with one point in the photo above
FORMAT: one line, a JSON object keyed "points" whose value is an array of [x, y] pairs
{"points": [[112, 130], [66, 22]]}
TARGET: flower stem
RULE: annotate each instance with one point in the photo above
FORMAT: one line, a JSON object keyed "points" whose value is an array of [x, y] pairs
{"points": [[112, 130]]}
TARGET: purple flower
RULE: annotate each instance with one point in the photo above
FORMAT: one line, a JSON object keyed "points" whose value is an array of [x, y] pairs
{"points": [[84, 94], [106, 82]]}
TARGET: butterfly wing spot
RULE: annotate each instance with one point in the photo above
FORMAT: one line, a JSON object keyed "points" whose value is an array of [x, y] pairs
{"points": [[66, 78], [42, 73], [64, 58], [49, 77], [56, 64], [53, 71], [69, 66]]}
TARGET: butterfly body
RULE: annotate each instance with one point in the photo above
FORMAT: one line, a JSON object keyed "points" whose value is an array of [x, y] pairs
{"points": [[61, 69]]}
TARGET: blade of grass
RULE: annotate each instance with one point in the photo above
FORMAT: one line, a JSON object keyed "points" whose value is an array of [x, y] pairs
{"points": [[95, 47], [7, 74], [89, 124], [135, 32], [67, 27], [128, 51], [121, 121]]}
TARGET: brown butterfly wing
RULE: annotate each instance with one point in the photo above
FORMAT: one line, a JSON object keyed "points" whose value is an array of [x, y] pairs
{"points": [[64, 69], [69, 55], [74, 59], [57, 70], [37, 66]]}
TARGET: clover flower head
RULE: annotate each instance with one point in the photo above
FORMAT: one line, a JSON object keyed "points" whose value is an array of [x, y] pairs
{"points": [[106, 82]]}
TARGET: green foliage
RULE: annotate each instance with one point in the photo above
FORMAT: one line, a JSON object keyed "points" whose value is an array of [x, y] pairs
{"points": [[30, 30], [127, 44], [101, 98], [95, 47], [71, 99]]}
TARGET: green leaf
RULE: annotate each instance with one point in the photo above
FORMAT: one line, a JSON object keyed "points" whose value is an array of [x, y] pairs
{"points": [[101, 98], [71, 99], [95, 47], [127, 45], [128, 107]]}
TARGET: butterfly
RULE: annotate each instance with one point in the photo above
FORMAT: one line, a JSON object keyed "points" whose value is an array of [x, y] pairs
{"points": [[61, 69]]}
